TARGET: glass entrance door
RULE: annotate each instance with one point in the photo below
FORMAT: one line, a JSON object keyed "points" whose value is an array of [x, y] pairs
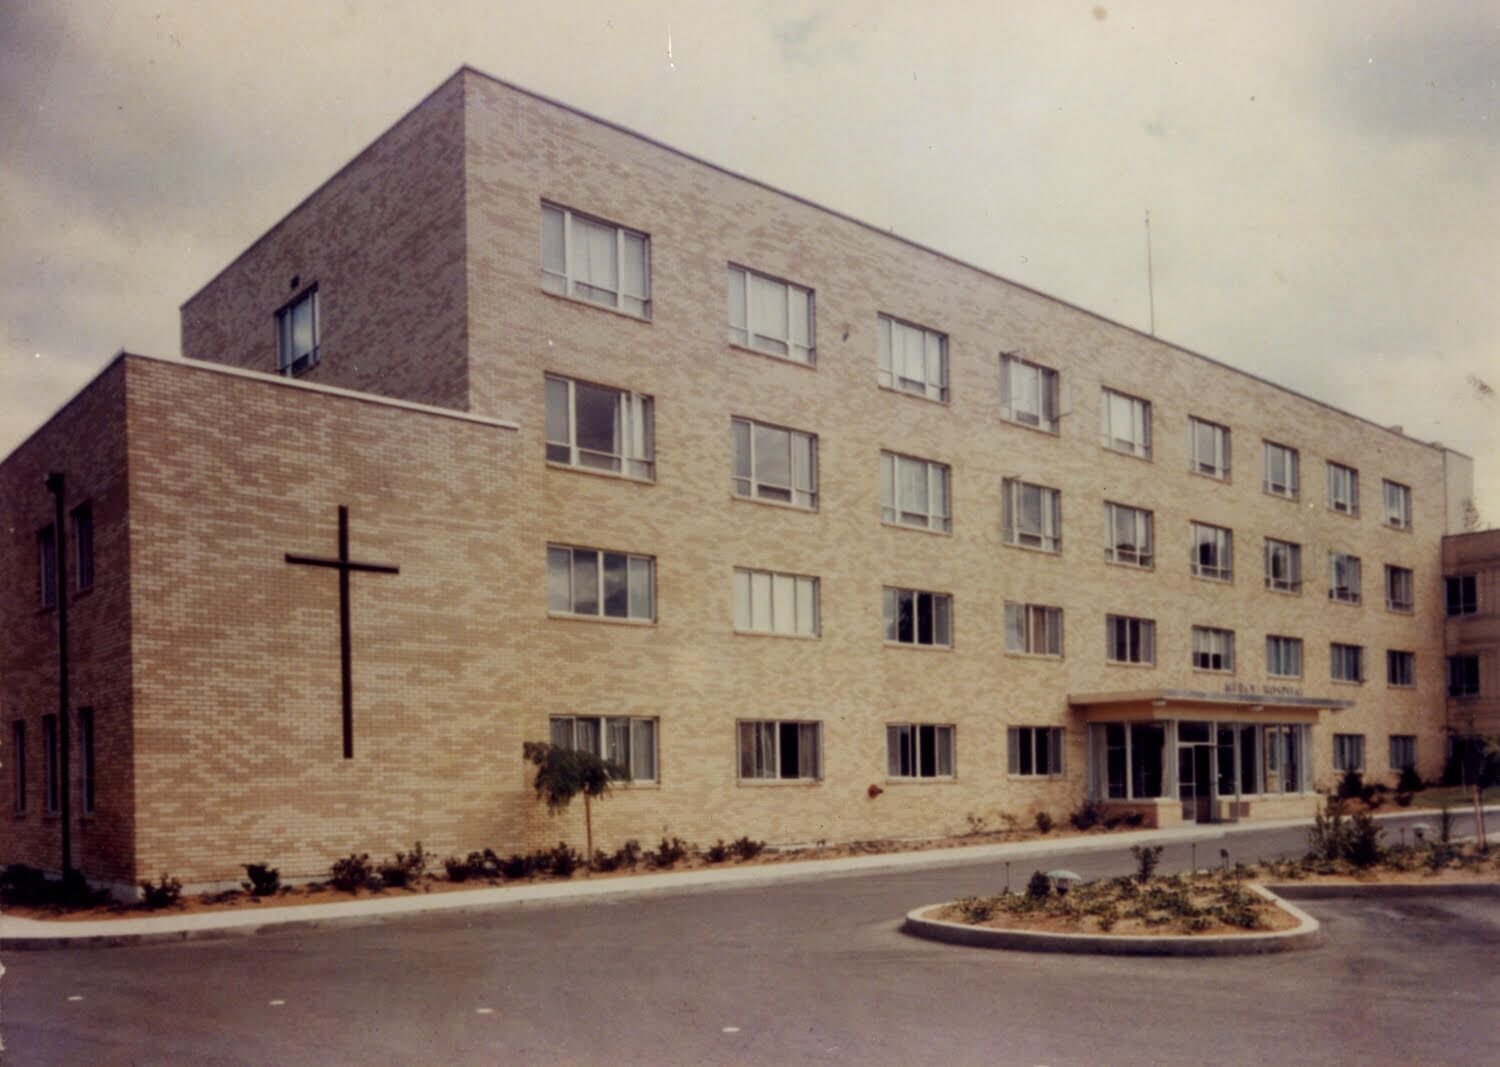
{"points": [[1195, 781]]}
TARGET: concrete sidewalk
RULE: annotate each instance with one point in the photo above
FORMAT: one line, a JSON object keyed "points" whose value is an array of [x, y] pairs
{"points": [[19, 933]]}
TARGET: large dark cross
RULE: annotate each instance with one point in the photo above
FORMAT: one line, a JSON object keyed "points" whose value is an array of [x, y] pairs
{"points": [[344, 565]]}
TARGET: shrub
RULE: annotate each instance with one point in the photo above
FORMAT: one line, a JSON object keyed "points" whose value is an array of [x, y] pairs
{"points": [[1445, 824], [265, 880], [475, 865], [717, 852], [562, 860], [1328, 837], [1146, 859], [1043, 822], [975, 909], [1088, 816], [1403, 800], [23, 885], [353, 873], [1362, 843], [517, 866], [1039, 887], [166, 892], [406, 868], [668, 853], [1410, 781], [746, 849], [1351, 785]]}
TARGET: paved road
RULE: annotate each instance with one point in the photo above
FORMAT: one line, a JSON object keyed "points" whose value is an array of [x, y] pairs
{"points": [[803, 972]]}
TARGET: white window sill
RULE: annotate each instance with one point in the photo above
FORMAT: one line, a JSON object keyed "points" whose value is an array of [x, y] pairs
{"points": [[1282, 678], [1345, 601], [1143, 457], [1136, 666], [914, 645], [1346, 681], [1039, 549], [918, 529], [1054, 656], [778, 783], [1229, 580], [936, 779], [1222, 479], [1034, 427], [940, 402], [1145, 568], [1400, 685], [1346, 514], [1397, 526], [618, 476], [785, 505], [1284, 592], [1217, 672], [771, 633], [1405, 609], [1290, 497], [568, 616], [1036, 778], [578, 301], [811, 364]]}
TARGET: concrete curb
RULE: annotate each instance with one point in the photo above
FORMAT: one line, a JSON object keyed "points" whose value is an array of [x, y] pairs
{"points": [[1338, 890], [1307, 934]]}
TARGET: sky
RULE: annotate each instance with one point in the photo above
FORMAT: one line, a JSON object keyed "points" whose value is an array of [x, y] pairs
{"points": [[1322, 179]]}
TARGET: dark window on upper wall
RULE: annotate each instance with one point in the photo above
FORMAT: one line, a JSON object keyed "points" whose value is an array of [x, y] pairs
{"points": [[46, 551], [1461, 594], [297, 330], [83, 546]]}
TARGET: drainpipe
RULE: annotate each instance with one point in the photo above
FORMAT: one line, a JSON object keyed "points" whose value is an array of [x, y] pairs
{"points": [[65, 787]]}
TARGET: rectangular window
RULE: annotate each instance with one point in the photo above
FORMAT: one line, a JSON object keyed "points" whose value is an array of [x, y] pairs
{"points": [[770, 315], [18, 764], [1125, 423], [622, 739], [1209, 445], [1463, 676], [1346, 663], [1129, 640], [1403, 752], [917, 750], [1281, 474], [913, 358], [1398, 588], [52, 779], [914, 617], [600, 428], [786, 750], [1127, 535], [1343, 577], [1028, 393], [591, 581], [1348, 752], [86, 756], [1035, 629], [297, 335], [1283, 566], [769, 603], [1213, 552], [1283, 656], [1031, 515], [83, 547], [1343, 488], [772, 463], [1285, 752], [597, 261], [46, 552], [1461, 594], [1035, 750], [1400, 668], [1397, 505], [914, 492], [1213, 649]]}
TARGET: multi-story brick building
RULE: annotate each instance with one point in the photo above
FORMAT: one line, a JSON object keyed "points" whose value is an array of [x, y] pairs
{"points": [[824, 533]]}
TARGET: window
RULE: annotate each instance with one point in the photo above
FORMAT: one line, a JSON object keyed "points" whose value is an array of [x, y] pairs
{"points": [[770, 603], [1028, 393], [1209, 445], [1348, 752], [1400, 668], [1213, 552], [1463, 676], [770, 316], [913, 617], [913, 358], [1343, 488], [1346, 663], [1397, 505], [917, 750], [1127, 535], [770, 749], [1125, 423], [590, 581], [599, 428], [1035, 750], [86, 756], [1398, 588], [1031, 515], [1283, 656], [52, 784], [596, 261], [1403, 752], [1129, 640], [1281, 476], [18, 764], [1035, 629], [46, 551], [83, 547], [771, 463], [297, 335], [914, 492], [1343, 577], [1461, 594], [1213, 649], [630, 742], [1283, 566]]}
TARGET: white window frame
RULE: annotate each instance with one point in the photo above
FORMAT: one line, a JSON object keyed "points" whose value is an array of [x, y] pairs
{"points": [[921, 349], [935, 513], [1287, 481], [629, 292], [1400, 586], [1129, 639], [1283, 656], [1125, 426], [639, 736], [1349, 752], [1346, 663], [1406, 677], [797, 485], [294, 355], [1343, 488], [770, 602], [1028, 393], [759, 749], [1208, 448], [1034, 629], [1342, 565], [1291, 553], [909, 744], [640, 583], [1043, 536], [938, 607], [1220, 539], [1139, 549], [1213, 649], [1024, 757], [750, 295], [1397, 499], [1403, 752], [632, 452]]}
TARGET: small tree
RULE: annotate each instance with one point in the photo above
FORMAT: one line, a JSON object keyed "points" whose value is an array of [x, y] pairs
{"points": [[564, 773]]}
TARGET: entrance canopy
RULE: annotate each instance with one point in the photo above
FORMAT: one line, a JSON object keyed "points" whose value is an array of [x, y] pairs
{"points": [[1240, 701]]}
